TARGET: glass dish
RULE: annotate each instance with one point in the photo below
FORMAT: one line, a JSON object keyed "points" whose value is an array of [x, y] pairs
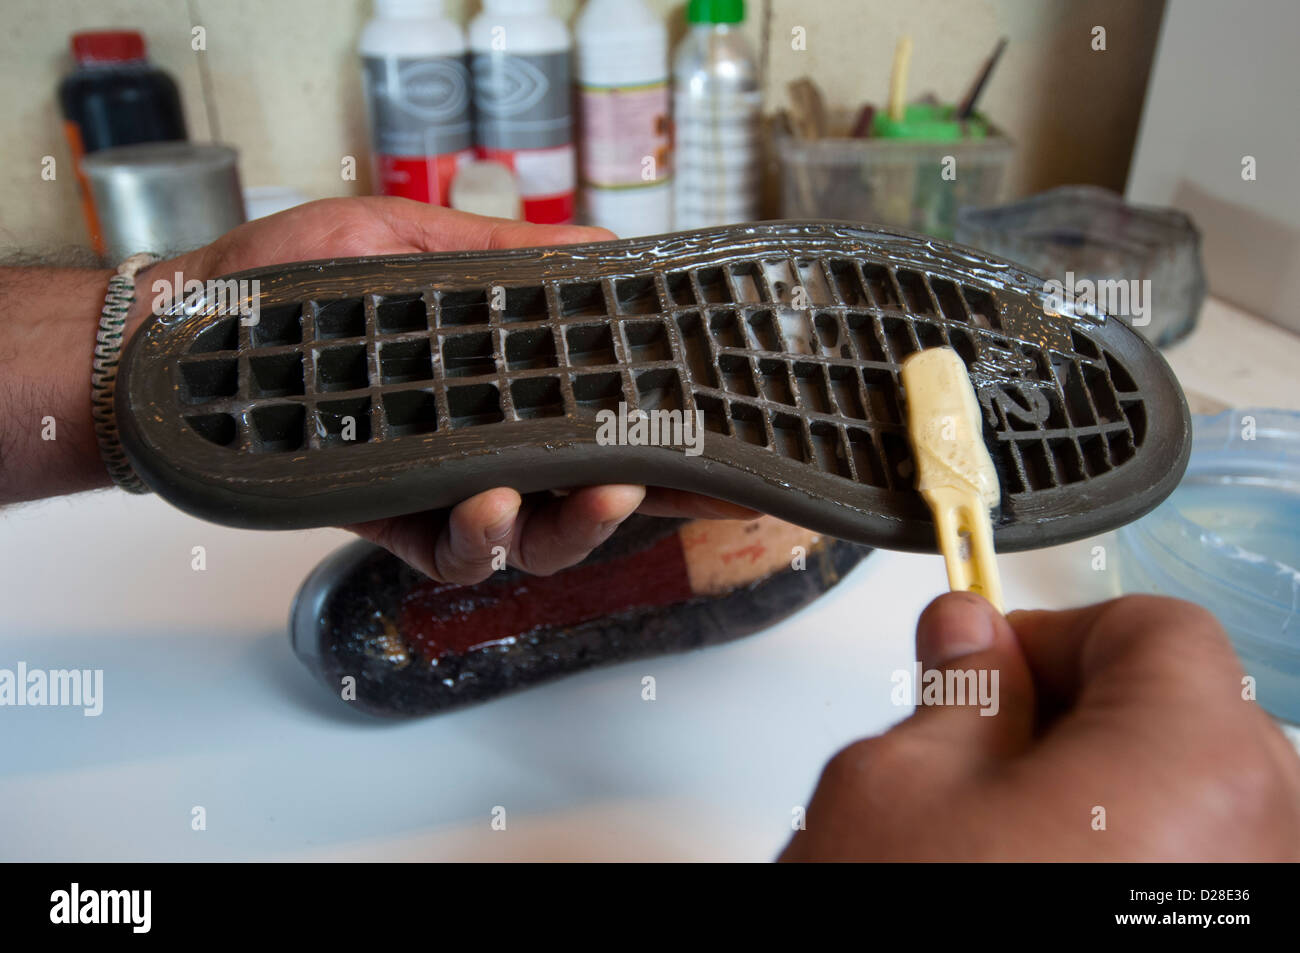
{"points": [[1229, 539]]}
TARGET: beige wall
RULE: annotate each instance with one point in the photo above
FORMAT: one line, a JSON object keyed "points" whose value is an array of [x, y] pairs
{"points": [[284, 88]]}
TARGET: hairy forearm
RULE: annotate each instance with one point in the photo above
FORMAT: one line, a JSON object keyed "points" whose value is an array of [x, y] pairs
{"points": [[48, 322], [48, 319]]}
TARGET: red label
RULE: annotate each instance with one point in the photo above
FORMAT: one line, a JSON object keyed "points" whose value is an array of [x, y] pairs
{"points": [[440, 619], [555, 210], [422, 178], [545, 178]]}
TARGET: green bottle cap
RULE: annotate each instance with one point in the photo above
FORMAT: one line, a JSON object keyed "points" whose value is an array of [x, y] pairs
{"points": [[715, 11]]}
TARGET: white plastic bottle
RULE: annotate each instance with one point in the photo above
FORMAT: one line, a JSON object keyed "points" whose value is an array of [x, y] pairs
{"points": [[716, 110], [418, 98], [519, 58], [625, 134]]}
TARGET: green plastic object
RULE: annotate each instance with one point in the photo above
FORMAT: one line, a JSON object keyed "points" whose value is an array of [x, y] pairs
{"points": [[715, 11], [931, 123]]}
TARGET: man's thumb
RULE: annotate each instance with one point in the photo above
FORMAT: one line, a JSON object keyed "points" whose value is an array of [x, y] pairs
{"points": [[974, 696]]}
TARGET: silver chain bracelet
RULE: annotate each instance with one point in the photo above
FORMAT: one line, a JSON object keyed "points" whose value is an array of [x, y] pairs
{"points": [[103, 374]]}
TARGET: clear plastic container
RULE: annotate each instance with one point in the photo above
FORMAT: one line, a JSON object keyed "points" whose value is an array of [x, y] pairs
{"points": [[1229, 539], [899, 183], [1089, 239]]}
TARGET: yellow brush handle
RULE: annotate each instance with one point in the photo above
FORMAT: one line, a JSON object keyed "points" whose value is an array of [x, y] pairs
{"points": [[954, 471], [966, 541], [898, 78]]}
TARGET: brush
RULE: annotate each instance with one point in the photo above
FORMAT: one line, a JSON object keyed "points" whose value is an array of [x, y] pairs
{"points": [[898, 79], [954, 472], [967, 107]]}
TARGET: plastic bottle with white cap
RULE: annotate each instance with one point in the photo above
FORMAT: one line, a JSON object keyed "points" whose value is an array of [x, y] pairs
{"points": [[625, 134], [522, 96], [418, 94]]}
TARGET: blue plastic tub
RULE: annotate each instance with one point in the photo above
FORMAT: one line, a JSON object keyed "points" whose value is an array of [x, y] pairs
{"points": [[1229, 539]]}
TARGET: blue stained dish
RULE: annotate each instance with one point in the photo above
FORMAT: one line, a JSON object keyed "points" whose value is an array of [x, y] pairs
{"points": [[1229, 539]]}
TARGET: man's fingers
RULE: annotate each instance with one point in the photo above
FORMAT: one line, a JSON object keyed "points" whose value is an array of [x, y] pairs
{"points": [[512, 234], [458, 547], [429, 228], [922, 768], [562, 532], [410, 538], [478, 530], [373, 225], [975, 699], [1137, 646], [540, 539]]}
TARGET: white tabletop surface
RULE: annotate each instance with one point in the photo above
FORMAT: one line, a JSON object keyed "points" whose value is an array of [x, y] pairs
{"points": [[206, 706]]}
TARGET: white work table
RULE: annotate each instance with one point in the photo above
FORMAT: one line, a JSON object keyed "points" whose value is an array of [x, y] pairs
{"points": [[205, 704]]}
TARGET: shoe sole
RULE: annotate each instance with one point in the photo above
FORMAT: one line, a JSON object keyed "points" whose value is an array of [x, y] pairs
{"points": [[453, 373]]}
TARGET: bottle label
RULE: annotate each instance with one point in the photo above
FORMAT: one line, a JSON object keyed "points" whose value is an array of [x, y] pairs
{"points": [[422, 178], [545, 179], [724, 121], [418, 106], [522, 101], [625, 136], [718, 160]]}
